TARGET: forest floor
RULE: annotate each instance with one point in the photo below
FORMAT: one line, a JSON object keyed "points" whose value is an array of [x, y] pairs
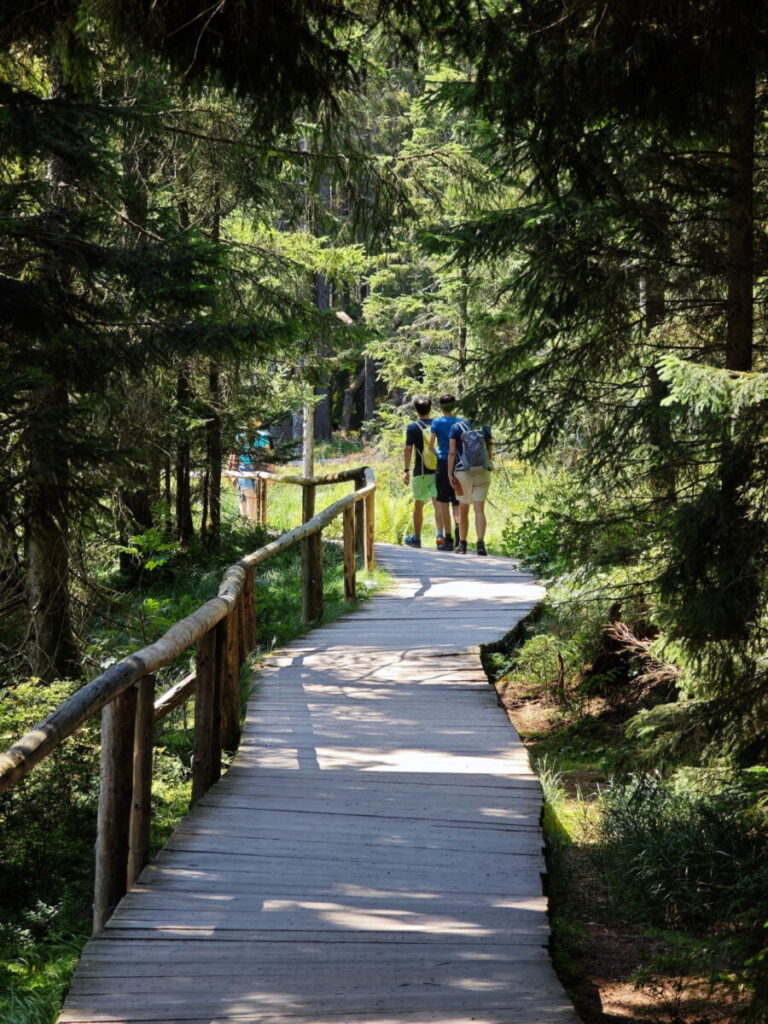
{"points": [[607, 962]]}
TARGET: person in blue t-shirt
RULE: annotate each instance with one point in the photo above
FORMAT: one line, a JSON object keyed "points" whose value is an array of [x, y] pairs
{"points": [[423, 484], [446, 496], [252, 453], [471, 482]]}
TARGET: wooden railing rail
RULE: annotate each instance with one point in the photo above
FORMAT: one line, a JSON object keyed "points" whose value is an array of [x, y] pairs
{"points": [[224, 630]]}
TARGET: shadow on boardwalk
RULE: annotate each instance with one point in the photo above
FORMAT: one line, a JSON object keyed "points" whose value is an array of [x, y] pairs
{"points": [[374, 853]]}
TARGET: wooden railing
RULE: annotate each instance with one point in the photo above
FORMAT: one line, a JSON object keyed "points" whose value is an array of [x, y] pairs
{"points": [[224, 632]]}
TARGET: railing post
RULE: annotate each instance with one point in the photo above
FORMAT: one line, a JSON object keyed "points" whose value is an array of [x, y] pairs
{"points": [[311, 562], [248, 614], [206, 758], [118, 721], [141, 806], [360, 519], [229, 687], [350, 560], [263, 491], [370, 530]]}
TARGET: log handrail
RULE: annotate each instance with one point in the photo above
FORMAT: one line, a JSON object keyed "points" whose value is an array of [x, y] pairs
{"points": [[222, 656]]}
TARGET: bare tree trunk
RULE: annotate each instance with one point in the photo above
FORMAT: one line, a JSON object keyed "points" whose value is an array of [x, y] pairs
{"points": [[369, 407], [740, 268], [185, 530], [322, 414], [350, 394], [213, 451], [52, 648], [663, 475], [51, 645], [462, 333], [213, 457]]}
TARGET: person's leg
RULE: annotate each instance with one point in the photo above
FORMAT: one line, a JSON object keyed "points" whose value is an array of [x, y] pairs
{"points": [[251, 512], [418, 517], [463, 526], [480, 520], [444, 512]]}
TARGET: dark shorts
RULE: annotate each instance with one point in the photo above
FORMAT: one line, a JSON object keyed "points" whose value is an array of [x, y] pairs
{"points": [[445, 492]]}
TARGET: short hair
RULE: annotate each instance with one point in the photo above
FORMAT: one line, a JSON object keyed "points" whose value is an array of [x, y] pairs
{"points": [[446, 401], [422, 404]]}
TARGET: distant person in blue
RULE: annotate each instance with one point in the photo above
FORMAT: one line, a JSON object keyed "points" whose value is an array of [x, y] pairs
{"points": [[446, 496], [424, 465], [469, 467], [251, 454]]}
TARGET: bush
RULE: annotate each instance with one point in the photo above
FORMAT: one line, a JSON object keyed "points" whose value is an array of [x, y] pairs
{"points": [[686, 856]]}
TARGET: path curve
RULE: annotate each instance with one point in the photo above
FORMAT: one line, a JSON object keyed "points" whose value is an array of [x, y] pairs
{"points": [[373, 856]]}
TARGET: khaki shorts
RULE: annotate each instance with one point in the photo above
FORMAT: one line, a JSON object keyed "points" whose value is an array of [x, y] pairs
{"points": [[474, 483], [424, 487]]}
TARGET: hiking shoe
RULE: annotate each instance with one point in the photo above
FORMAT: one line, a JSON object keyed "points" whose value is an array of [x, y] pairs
{"points": [[481, 548], [440, 543], [448, 543], [456, 538], [413, 541], [461, 548]]}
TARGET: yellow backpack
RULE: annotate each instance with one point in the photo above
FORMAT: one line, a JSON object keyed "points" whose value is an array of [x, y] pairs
{"points": [[428, 457]]}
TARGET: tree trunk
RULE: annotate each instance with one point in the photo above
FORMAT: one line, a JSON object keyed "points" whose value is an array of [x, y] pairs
{"points": [[369, 408], [213, 451], [322, 296], [213, 457], [51, 646], [185, 530], [740, 265], [462, 334], [350, 395], [663, 476]]}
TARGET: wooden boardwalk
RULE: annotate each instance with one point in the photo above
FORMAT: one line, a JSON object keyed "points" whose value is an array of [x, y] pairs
{"points": [[373, 856]]}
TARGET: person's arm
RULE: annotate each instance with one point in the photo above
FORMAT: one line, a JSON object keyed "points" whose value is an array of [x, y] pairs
{"points": [[432, 440], [407, 452], [452, 460]]}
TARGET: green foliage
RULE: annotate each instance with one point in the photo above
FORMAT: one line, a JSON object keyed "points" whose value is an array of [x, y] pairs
{"points": [[689, 853]]}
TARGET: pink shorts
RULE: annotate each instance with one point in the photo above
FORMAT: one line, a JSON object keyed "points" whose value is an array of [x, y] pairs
{"points": [[474, 483]]}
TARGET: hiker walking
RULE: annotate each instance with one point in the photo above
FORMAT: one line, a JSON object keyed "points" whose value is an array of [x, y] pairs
{"points": [[469, 467], [253, 448], [417, 440], [447, 502]]}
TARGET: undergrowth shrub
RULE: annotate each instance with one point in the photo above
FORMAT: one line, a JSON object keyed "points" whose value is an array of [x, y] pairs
{"points": [[687, 856]]}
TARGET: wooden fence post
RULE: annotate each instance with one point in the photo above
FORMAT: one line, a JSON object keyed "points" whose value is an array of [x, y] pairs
{"points": [[141, 804], [118, 720], [370, 530], [350, 560], [263, 491], [311, 562], [206, 758], [248, 608], [360, 519], [229, 686]]}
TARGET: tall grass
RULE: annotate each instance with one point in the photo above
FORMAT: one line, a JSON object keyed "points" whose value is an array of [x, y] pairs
{"points": [[683, 855]]}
